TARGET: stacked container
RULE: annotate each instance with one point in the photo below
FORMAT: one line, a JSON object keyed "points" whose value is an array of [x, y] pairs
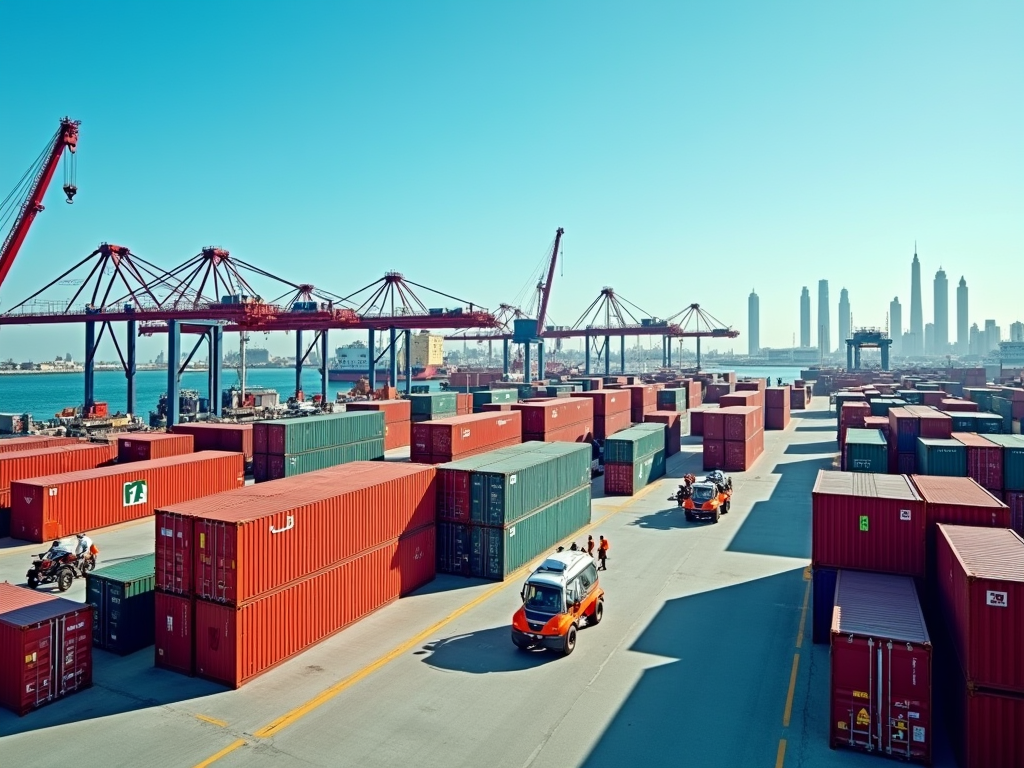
{"points": [[984, 460], [45, 648], [733, 438], [289, 447], [904, 429], [234, 438], [981, 592], [798, 398], [434, 405], [498, 511], [675, 424], [491, 396], [123, 599], [958, 501], [865, 450], [144, 446], [778, 404], [676, 399], [643, 400], [397, 420], [714, 392], [697, 418], [566, 419], [34, 442], [941, 457], [311, 553], [612, 411], [633, 458], [753, 397], [444, 440], [53, 506]]}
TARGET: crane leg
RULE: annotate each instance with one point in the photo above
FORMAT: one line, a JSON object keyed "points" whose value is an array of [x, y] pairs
{"points": [[607, 356], [324, 372], [371, 375], [540, 360], [129, 366], [622, 355], [408, 361], [504, 356], [393, 360], [299, 352], [89, 399], [526, 362], [586, 354], [173, 361], [217, 370], [668, 339]]}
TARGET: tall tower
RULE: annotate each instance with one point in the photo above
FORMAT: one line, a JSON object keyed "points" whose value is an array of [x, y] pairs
{"points": [[896, 326], [805, 318], [824, 331], [962, 333], [941, 314], [753, 324], [844, 320], [916, 314]]}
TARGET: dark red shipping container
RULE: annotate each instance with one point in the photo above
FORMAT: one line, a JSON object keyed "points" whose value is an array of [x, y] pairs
{"points": [[1015, 501], [607, 425], [881, 423], [236, 438], [980, 574], [395, 411], [443, 458], [881, 681], [754, 385], [417, 559], [643, 397], [867, 522], [714, 454], [496, 407], [697, 418], [34, 442], [580, 432], [740, 455], [146, 446], [673, 428], [554, 414], [904, 429], [984, 460], [933, 424], [986, 727], [50, 507], [798, 399], [607, 401], [53, 460], [45, 648], [174, 649], [959, 501], [173, 548], [260, 468], [233, 644], [933, 398], [461, 434], [714, 425], [262, 537], [397, 434], [714, 392], [957, 405], [777, 418], [778, 397], [739, 422], [742, 399], [853, 414]]}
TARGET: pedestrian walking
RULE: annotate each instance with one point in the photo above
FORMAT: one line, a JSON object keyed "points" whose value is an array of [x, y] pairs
{"points": [[590, 545], [602, 554]]}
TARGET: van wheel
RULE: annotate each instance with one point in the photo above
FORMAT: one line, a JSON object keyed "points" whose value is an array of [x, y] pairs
{"points": [[598, 613], [689, 517], [33, 582], [725, 507], [718, 514], [570, 640], [519, 644]]}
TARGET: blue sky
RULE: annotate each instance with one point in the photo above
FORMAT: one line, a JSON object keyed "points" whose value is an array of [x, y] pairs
{"points": [[691, 151]]}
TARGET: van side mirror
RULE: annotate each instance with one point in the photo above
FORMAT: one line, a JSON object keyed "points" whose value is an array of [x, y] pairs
{"points": [[522, 594]]}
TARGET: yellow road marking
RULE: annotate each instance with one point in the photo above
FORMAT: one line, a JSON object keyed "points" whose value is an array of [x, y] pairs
{"points": [[803, 616], [212, 720], [226, 751], [780, 758], [792, 691]]}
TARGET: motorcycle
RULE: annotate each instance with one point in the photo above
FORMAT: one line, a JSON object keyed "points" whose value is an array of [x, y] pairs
{"points": [[62, 570]]}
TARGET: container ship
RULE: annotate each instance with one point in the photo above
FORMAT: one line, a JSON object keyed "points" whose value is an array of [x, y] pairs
{"points": [[352, 361]]}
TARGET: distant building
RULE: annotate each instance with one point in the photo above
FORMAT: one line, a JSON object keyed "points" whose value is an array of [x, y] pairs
{"points": [[991, 336], [753, 324], [975, 344], [257, 356], [805, 317], [941, 314], [1017, 331], [1011, 354], [844, 320], [824, 328], [916, 314], [791, 356], [963, 337], [896, 326], [929, 338]]}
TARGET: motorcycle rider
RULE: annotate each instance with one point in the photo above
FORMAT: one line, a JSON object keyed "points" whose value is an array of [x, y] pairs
{"points": [[56, 551], [83, 551]]}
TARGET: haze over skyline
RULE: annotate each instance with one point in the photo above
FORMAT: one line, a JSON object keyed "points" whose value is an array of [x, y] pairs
{"points": [[689, 152]]}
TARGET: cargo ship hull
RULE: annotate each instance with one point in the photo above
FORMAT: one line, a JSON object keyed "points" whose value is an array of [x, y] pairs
{"points": [[348, 374]]}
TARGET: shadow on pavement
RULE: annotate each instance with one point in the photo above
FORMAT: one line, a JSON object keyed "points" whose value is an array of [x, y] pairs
{"points": [[818, 428], [483, 652], [811, 449], [721, 702]]}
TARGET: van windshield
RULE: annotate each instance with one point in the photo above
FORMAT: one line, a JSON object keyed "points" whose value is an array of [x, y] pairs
{"points": [[703, 492], [543, 598]]}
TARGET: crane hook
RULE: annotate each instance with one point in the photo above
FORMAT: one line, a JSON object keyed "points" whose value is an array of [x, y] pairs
{"points": [[70, 190]]}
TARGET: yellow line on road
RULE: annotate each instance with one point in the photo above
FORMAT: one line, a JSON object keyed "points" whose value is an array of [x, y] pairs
{"points": [[780, 758], [803, 616], [792, 691], [226, 751], [212, 721]]}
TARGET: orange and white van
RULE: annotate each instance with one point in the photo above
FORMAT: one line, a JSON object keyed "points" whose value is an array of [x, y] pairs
{"points": [[562, 595]]}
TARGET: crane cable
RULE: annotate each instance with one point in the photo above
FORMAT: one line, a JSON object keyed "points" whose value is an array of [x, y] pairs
{"points": [[15, 200]]}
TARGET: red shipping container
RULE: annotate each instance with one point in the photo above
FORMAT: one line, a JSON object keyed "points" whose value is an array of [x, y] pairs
{"points": [[580, 432], [714, 425], [455, 436], [740, 455], [262, 537], [643, 397], [904, 428], [933, 423], [173, 547], [45, 648], [621, 480], [714, 392], [959, 501], [778, 397], [867, 522], [607, 425], [777, 418], [397, 434], [236, 438], [798, 399], [1015, 501], [956, 405], [394, 410], [980, 579], [417, 559], [495, 407], [985, 726], [50, 461], [233, 646], [607, 401], [984, 460], [673, 428], [444, 458], [740, 422], [697, 418], [463, 403], [753, 385], [881, 681], [543, 417], [174, 649], [145, 446], [933, 398], [35, 442], [853, 414], [50, 507], [880, 423], [714, 454], [742, 399]]}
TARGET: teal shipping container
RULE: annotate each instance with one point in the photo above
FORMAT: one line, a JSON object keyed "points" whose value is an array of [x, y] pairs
{"points": [[1013, 460], [123, 598], [928, 386], [673, 399], [880, 405], [309, 433], [494, 396], [634, 443], [585, 385], [951, 388], [866, 451], [980, 395], [941, 457], [981, 423], [559, 390], [434, 403], [911, 396], [1004, 409], [511, 489], [494, 553], [293, 464]]}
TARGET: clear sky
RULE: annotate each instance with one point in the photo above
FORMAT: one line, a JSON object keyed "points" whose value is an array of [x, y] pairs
{"points": [[691, 151]]}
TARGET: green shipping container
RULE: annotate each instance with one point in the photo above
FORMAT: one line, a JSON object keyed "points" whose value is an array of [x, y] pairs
{"points": [[433, 404], [123, 600], [494, 396], [941, 457], [314, 432], [631, 444], [1004, 409], [983, 397], [928, 386], [504, 492], [584, 385], [951, 388], [866, 451], [880, 405], [911, 396], [673, 399], [493, 553], [1013, 460], [311, 461], [988, 423], [560, 390]]}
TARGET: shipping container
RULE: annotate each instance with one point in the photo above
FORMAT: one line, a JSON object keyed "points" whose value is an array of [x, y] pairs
{"points": [[882, 405], [607, 402], [867, 522], [984, 460], [714, 425], [462, 434], [290, 465], [53, 460], [981, 395], [145, 446], [957, 501], [232, 645], [778, 397], [174, 632], [697, 419], [397, 434], [713, 454], [123, 597], [941, 457], [904, 429], [750, 398], [673, 399], [626, 479], [643, 397], [823, 585], [1013, 460], [881, 660], [610, 424], [986, 728], [955, 405], [740, 455], [262, 537], [434, 404], [298, 435], [395, 411], [580, 432], [495, 553], [489, 396], [236, 438], [740, 422], [454, 498], [865, 450], [464, 403], [713, 392], [53, 506], [34, 442], [553, 414], [45, 648], [634, 443], [673, 422], [933, 423], [980, 577], [417, 559], [798, 399]]}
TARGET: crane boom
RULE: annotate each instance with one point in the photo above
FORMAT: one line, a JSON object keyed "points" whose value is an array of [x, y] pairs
{"points": [[66, 138], [542, 313]]}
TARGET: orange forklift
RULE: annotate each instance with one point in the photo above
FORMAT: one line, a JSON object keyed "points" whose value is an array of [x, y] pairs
{"points": [[705, 499]]}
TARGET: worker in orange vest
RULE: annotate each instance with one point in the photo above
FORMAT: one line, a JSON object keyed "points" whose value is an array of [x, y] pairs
{"points": [[602, 554]]}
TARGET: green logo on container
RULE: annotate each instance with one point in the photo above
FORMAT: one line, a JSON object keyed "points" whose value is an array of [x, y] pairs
{"points": [[136, 492], [863, 522]]}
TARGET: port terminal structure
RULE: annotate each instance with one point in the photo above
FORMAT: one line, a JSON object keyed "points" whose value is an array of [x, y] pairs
{"points": [[867, 338]]}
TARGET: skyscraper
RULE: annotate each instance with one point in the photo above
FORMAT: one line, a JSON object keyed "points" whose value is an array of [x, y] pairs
{"points": [[962, 333], [805, 318], [941, 314], [990, 337], [974, 348], [753, 324], [896, 326], [824, 330], [1017, 331], [844, 320], [916, 314]]}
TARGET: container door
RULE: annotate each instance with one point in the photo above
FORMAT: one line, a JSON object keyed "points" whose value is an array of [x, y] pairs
{"points": [[854, 672], [111, 628], [37, 674], [905, 702], [217, 558], [74, 653], [95, 593]]}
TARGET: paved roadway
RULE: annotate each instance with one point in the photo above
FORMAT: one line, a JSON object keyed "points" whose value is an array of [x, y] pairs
{"points": [[703, 659]]}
